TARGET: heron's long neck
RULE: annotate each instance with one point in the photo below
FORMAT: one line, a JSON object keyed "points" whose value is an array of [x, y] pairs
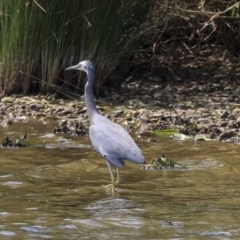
{"points": [[90, 104]]}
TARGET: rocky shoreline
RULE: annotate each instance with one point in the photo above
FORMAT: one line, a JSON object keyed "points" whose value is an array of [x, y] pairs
{"points": [[144, 107]]}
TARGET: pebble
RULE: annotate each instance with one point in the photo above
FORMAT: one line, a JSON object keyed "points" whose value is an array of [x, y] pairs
{"points": [[224, 114], [35, 106], [191, 113], [117, 113]]}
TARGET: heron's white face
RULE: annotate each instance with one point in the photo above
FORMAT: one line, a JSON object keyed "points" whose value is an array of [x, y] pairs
{"points": [[83, 66]]}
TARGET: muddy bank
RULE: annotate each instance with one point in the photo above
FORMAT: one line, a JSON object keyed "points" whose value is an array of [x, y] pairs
{"points": [[143, 107]]}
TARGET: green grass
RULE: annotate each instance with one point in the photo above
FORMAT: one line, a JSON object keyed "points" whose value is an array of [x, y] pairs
{"points": [[39, 39], [167, 132]]}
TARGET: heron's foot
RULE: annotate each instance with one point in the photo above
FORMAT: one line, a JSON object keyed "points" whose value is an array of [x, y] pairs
{"points": [[111, 188], [110, 185]]}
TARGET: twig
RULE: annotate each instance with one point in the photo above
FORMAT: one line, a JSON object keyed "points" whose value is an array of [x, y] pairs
{"points": [[218, 14], [39, 6], [187, 48]]}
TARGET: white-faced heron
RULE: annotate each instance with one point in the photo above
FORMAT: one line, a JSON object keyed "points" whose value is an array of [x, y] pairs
{"points": [[108, 138]]}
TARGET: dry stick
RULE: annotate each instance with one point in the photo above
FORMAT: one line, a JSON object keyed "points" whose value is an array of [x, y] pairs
{"points": [[209, 35], [209, 13], [55, 87], [39, 6], [210, 21], [154, 45], [218, 14], [191, 52], [89, 24]]}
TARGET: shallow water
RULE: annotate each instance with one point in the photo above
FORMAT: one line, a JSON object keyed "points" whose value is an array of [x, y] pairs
{"points": [[51, 191]]}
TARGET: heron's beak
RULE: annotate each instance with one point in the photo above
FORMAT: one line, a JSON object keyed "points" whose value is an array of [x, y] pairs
{"points": [[76, 67]]}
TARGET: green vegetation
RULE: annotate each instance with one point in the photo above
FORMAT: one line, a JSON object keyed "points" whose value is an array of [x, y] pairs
{"points": [[167, 132], [162, 162], [39, 39]]}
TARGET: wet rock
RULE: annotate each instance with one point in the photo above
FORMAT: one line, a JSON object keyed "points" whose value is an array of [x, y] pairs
{"points": [[83, 110], [6, 122], [7, 142], [226, 135], [38, 115], [224, 114], [156, 114], [223, 123], [153, 120], [129, 118], [71, 127], [232, 124], [36, 106], [22, 111], [151, 140], [231, 117], [194, 116], [144, 118], [205, 114], [7, 100], [48, 135], [236, 110], [238, 121], [117, 113], [234, 96], [160, 163], [19, 142], [202, 120], [180, 136], [57, 110], [3, 109], [66, 112], [157, 95], [135, 113]]}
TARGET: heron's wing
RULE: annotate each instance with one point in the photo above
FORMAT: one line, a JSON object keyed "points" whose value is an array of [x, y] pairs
{"points": [[117, 162], [110, 139], [114, 130]]}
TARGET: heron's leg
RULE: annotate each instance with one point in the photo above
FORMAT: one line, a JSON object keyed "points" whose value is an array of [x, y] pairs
{"points": [[117, 181], [112, 178], [118, 177]]}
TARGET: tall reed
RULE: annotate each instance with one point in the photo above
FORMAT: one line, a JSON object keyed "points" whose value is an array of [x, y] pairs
{"points": [[39, 39]]}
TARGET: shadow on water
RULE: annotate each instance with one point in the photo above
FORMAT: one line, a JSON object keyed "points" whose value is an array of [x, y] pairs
{"points": [[58, 192]]}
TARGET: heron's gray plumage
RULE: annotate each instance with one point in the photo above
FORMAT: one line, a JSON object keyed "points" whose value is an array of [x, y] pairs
{"points": [[108, 138]]}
